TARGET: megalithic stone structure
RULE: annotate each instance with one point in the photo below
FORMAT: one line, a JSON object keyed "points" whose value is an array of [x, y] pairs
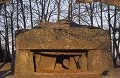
{"points": [[109, 2], [62, 46]]}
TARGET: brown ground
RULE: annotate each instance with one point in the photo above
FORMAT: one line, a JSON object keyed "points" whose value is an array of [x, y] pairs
{"points": [[4, 69], [5, 73]]}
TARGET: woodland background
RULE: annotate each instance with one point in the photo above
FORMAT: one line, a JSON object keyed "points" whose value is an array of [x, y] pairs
{"points": [[25, 14]]}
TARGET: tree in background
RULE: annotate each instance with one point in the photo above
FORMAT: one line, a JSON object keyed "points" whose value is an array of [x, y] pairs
{"points": [[1, 51], [23, 14]]}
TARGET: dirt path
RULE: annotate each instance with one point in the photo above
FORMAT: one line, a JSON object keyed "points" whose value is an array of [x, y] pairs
{"points": [[70, 75], [4, 69], [5, 73]]}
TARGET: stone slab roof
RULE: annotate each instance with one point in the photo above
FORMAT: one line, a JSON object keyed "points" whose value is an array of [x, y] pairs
{"points": [[110, 2]]}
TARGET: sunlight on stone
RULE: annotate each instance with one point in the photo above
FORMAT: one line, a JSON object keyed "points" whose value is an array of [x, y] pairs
{"points": [[109, 2]]}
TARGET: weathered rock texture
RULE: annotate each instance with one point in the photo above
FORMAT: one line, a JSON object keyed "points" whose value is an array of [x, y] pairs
{"points": [[24, 62], [47, 63], [99, 60], [74, 63], [62, 45], [37, 62], [83, 62], [114, 72], [56, 36], [110, 2]]}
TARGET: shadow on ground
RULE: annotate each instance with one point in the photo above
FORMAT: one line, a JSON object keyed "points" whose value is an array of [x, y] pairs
{"points": [[4, 70]]}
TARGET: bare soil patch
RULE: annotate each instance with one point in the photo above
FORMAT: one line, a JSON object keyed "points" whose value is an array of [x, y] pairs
{"points": [[6, 73]]}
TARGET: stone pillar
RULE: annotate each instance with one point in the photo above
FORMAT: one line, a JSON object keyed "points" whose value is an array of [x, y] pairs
{"points": [[24, 62], [47, 63], [83, 62], [74, 63], [37, 62], [99, 60]]}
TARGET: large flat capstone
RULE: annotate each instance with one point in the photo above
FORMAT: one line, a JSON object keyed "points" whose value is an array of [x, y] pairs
{"points": [[58, 37]]}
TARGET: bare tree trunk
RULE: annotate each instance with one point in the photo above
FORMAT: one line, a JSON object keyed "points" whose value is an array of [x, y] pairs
{"points": [[70, 11], [7, 55], [17, 15], [43, 10], [42, 5], [22, 10], [91, 13], [46, 15], [1, 52], [114, 38], [119, 41], [59, 2], [112, 47], [31, 14], [101, 17], [12, 34], [38, 9], [79, 13], [12, 28], [71, 7], [0, 42], [110, 26], [115, 41]]}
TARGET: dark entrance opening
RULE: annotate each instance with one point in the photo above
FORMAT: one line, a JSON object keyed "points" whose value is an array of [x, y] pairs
{"points": [[55, 60]]}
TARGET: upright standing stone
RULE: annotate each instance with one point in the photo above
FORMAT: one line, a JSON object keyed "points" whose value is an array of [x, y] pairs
{"points": [[37, 62], [47, 63], [24, 62], [74, 63], [83, 62], [99, 60]]}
